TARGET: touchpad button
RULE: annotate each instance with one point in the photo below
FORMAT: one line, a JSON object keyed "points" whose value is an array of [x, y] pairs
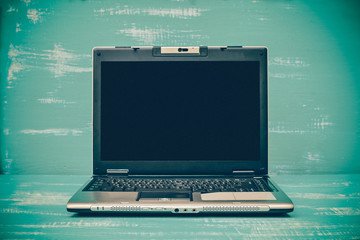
{"points": [[164, 195]]}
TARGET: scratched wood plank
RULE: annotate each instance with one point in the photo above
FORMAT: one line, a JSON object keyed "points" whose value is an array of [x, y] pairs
{"points": [[45, 74], [326, 207]]}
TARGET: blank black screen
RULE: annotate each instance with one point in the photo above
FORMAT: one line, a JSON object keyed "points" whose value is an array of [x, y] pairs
{"points": [[201, 110]]}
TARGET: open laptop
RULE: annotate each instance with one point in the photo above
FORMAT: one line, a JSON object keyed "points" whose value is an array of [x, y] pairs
{"points": [[180, 130]]}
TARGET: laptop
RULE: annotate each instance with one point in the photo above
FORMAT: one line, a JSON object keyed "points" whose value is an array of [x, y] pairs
{"points": [[181, 130]]}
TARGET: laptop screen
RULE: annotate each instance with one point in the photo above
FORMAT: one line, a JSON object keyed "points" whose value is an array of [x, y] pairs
{"points": [[180, 110]]}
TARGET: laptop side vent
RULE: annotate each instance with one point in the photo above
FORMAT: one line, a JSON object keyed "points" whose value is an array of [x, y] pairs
{"points": [[115, 208], [125, 208]]}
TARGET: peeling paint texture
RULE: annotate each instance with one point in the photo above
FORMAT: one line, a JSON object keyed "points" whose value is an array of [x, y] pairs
{"points": [[46, 79], [326, 207]]}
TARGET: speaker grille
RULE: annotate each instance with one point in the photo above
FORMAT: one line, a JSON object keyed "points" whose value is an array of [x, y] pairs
{"points": [[249, 208]]}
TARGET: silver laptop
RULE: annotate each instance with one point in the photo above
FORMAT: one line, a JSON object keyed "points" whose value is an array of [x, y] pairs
{"points": [[180, 130]]}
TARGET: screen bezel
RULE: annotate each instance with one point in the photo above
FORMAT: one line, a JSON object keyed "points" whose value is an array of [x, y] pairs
{"points": [[182, 167]]}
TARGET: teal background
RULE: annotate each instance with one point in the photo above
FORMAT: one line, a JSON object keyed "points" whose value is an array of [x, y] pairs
{"points": [[46, 84]]}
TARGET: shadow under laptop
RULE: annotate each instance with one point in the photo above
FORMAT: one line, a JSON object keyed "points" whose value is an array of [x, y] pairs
{"points": [[171, 215]]}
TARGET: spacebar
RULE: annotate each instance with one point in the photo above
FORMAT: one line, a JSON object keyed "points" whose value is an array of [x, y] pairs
{"points": [[163, 190]]}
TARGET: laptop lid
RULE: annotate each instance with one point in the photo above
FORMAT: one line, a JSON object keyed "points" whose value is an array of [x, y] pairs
{"points": [[180, 111]]}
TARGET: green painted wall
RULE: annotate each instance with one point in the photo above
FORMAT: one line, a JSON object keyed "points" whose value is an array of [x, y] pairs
{"points": [[314, 83]]}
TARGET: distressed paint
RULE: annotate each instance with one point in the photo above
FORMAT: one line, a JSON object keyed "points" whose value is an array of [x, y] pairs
{"points": [[326, 207], [314, 87]]}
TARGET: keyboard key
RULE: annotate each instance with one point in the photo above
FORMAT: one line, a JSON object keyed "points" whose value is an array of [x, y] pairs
{"points": [[109, 188], [179, 184]]}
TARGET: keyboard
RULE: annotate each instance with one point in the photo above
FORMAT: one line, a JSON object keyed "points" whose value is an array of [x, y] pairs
{"points": [[130, 184]]}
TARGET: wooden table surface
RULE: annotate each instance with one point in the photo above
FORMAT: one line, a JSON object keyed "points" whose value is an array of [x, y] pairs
{"points": [[34, 207]]}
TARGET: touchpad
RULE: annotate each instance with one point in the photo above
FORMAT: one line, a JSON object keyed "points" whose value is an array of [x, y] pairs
{"points": [[145, 195], [233, 196]]}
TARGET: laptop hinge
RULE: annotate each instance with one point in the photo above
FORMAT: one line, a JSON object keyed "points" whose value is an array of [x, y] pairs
{"points": [[246, 173], [234, 46], [118, 172]]}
